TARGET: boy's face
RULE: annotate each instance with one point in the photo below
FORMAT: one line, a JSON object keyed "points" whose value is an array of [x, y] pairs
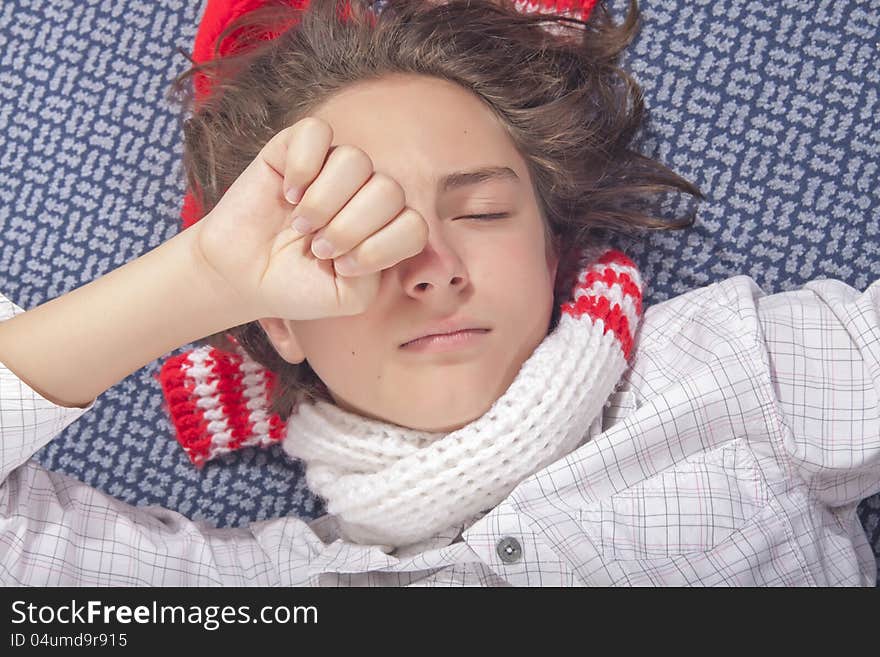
{"points": [[497, 272]]}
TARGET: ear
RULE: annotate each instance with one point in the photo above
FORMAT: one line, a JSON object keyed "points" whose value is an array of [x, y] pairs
{"points": [[282, 337]]}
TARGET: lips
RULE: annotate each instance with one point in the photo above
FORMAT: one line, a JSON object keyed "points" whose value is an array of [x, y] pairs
{"points": [[466, 340], [411, 342], [446, 328]]}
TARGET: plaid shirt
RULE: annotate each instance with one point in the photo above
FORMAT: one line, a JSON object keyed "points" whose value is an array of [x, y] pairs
{"points": [[743, 436]]}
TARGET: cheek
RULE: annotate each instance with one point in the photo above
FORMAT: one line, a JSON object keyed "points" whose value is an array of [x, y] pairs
{"points": [[333, 345], [526, 272]]}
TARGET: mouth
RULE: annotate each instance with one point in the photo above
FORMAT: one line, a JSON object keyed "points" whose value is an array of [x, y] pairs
{"points": [[445, 341]]}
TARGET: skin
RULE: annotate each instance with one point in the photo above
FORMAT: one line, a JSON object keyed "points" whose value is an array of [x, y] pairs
{"points": [[499, 272]]}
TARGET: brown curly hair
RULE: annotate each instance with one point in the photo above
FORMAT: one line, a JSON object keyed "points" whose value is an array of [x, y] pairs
{"points": [[554, 81]]}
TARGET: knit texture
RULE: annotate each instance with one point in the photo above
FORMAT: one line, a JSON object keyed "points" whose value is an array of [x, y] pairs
{"points": [[219, 401]]}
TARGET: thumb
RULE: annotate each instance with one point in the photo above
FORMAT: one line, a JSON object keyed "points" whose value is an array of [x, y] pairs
{"points": [[291, 158]]}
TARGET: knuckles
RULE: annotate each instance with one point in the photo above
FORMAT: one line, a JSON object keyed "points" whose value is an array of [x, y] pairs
{"points": [[353, 156], [388, 187], [313, 123]]}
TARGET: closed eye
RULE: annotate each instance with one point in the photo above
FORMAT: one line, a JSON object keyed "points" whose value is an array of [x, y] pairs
{"points": [[487, 217]]}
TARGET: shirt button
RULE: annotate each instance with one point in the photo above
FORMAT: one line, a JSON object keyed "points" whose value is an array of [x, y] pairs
{"points": [[509, 549]]}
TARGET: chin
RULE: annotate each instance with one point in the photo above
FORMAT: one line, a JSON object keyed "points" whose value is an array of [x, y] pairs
{"points": [[442, 418]]}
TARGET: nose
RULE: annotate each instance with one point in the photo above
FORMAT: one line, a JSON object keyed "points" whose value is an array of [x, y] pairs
{"points": [[437, 270]]}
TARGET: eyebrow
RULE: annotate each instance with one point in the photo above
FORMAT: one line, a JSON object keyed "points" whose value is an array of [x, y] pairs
{"points": [[460, 179]]}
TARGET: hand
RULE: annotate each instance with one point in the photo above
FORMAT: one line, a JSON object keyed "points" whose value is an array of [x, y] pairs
{"points": [[248, 242]]}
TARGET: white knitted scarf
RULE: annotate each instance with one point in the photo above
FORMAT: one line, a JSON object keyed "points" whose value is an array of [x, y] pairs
{"points": [[394, 486]]}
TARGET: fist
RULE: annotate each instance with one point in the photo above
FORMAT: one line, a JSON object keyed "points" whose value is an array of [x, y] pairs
{"points": [[357, 224]]}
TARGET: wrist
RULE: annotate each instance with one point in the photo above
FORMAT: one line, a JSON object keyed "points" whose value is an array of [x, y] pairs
{"points": [[222, 305]]}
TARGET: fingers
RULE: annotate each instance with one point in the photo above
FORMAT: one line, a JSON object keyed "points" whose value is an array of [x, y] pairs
{"points": [[375, 204], [359, 216], [346, 170], [404, 237], [297, 154]]}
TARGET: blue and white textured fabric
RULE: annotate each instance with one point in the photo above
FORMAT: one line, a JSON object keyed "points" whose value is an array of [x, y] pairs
{"points": [[770, 108]]}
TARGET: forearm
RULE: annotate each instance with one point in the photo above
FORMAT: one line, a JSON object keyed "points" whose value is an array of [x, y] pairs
{"points": [[74, 347]]}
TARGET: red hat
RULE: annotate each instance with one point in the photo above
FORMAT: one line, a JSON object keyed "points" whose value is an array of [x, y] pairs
{"points": [[218, 400]]}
